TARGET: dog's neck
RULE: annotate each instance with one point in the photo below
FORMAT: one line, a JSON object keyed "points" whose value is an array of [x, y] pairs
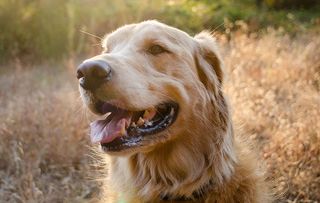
{"points": [[179, 168], [197, 195]]}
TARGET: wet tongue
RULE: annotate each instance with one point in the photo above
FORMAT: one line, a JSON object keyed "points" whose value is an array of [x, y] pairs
{"points": [[105, 131]]}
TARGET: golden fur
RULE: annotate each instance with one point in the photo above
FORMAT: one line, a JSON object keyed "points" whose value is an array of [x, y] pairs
{"points": [[200, 145]]}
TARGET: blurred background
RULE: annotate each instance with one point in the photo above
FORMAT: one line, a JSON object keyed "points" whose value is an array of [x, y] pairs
{"points": [[37, 30], [272, 59]]}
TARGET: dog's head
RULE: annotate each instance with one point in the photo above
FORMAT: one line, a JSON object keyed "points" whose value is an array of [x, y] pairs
{"points": [[157, 84]]}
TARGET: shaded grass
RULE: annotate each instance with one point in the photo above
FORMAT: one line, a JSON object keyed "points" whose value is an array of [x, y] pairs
{"points": [[44, 153], [273, 84]]}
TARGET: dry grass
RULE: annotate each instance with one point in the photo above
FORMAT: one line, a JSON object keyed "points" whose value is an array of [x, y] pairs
{"points": [[43, 145], [273, 85]]}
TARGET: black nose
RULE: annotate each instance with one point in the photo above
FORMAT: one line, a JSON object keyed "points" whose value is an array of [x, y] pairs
{"points": [[92, 74]]}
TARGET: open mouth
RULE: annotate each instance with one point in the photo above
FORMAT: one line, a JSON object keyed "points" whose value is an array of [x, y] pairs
{"points": [[123, 129]]}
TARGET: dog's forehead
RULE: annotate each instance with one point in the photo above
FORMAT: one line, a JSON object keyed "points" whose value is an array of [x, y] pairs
{"points": [[117, 36], [152, 30]]}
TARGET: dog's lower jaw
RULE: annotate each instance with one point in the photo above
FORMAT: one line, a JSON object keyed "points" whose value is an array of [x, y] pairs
{"points": [[178, 168], [236, 178]]}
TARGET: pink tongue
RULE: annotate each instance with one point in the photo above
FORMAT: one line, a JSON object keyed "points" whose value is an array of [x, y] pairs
{"points": [[105, 131]]}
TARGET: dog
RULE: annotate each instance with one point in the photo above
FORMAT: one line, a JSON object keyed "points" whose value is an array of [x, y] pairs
{"points": [[168, 131]]}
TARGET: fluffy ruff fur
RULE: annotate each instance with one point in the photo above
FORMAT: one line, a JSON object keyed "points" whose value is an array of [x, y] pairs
{"points": [[200, 146]]}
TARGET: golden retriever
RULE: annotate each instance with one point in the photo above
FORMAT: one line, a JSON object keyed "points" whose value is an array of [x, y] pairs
{"points": [[168, 128]]}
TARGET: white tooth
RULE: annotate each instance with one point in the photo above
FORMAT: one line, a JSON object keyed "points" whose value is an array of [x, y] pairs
{"points": [[123, 131], [133, 124], [104, 116], [145, 114], [107, 115], [149, 113], [127, 123], [148, 123], [172, 112], [140, 121]]}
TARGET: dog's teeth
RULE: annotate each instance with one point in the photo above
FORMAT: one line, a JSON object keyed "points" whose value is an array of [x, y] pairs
{"points": [[140, 122], [133, 124], [172, 112], [123, 131], [149, 113], [145, 114], [104, 116], [126, 124], [148, 123]]}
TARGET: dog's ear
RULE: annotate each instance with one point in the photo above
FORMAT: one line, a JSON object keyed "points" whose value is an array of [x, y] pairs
{"points": [[208, 60], [210, 72]]}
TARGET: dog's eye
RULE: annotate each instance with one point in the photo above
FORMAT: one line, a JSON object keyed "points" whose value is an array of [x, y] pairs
{"points": [[156, 49]]}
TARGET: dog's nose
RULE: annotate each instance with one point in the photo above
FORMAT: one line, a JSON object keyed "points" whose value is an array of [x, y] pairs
{"points": [[92, 74]]}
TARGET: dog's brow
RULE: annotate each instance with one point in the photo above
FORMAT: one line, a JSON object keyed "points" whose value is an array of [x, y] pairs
{"points": [[152, 41]]}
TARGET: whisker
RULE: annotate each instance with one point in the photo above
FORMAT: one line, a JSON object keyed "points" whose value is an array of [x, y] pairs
{"points": [[217, 27], [92, 35]]}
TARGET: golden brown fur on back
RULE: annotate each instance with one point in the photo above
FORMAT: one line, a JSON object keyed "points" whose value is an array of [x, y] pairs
{"points": [[200, 146]]}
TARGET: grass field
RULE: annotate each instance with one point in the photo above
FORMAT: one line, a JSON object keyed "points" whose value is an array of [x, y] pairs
{"points": [[273, 85]]}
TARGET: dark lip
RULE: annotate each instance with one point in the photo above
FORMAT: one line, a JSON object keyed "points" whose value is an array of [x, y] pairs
{"points": [[138, 136]]}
